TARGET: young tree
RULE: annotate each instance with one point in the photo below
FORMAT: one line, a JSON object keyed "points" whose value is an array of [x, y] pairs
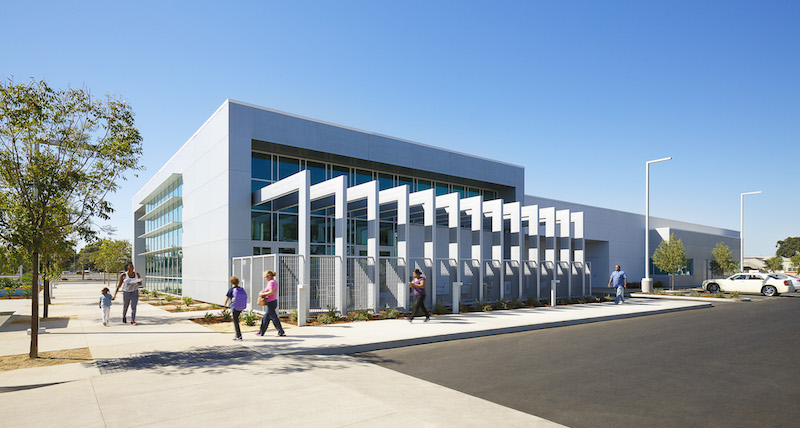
{"points": [[61, 153], [796, 262], [670, 256], [774, 263], [788, 247], [113, 255], [722, 260]]}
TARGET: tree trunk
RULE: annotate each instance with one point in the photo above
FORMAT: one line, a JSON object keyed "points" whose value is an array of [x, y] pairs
{"points": [[35, 308], [46, 302]]}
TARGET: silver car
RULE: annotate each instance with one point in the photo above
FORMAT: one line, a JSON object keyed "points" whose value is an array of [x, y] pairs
{"points": [[750, 282]]}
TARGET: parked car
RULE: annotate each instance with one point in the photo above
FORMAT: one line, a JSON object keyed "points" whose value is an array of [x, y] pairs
{"points": [[795, 280], [750, 282]]}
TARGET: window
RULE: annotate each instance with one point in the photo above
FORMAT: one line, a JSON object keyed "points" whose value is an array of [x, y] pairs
{"points": [[361, 176], [287, 227], [287, 167], [385, 181], [317, 171], [262, 166], [442, 189], [423, 185]]}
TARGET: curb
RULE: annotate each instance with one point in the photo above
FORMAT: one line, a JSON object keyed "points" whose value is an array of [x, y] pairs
{"points": [[376, 346], [690, 298]]}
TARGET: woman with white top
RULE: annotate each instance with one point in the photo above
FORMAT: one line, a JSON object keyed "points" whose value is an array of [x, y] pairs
{"points": [[129, 281]]}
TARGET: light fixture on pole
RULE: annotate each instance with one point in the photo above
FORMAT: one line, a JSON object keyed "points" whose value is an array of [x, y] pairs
{"points": [[647, 283], [741, 228]]}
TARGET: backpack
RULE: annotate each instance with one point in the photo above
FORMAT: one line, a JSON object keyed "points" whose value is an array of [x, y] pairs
{"points": [[239, 299]]}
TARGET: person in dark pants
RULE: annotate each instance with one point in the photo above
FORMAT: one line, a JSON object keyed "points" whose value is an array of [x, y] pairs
{"points": [[238, 298], [418, 287], [270, 295]]}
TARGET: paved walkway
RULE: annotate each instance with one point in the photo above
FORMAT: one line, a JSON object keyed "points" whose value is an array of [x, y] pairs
{"points": [[168, 371]]}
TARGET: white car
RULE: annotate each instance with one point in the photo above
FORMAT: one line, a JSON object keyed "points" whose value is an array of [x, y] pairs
{"points": [[750, 282], [793, 279]]}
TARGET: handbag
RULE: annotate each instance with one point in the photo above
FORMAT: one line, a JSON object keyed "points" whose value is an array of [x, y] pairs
{"points": [[262, 301]]}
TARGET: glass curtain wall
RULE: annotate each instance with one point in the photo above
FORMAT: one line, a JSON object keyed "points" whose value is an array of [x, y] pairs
{"points": [[272, 224], [163, 242]]}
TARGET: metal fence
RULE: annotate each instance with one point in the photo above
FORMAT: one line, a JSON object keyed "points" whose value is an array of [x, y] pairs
{"points": [[491, 280], [471, 280], [530, 271], [359, 278], [446, 273], [250, 271], [511, 280], [392, 276], [323, 282]]}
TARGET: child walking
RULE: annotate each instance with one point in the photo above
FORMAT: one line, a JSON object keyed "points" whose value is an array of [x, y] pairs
{"points": [[105, 305], [238, 298]]}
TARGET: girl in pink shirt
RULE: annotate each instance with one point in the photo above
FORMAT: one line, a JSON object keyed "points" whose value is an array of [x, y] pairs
{"points": [[270, 294]]}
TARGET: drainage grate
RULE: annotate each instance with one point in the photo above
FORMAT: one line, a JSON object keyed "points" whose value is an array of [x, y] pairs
{"points": [[221, 354]]}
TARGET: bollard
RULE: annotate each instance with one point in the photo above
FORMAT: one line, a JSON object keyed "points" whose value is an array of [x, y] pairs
{"points": [[456, 296]]}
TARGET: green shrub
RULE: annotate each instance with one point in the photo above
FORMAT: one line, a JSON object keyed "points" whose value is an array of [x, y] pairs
{"points": [[26, 292], [659, 291], [144, 292], [208, 316], [606, 298], [499, 304], [10, 291], [293, 315], [392, 314], [440, 309], [225, 314], [487, 308], [719, 294], [154, 293], [215, 306], [562, 301], [249, 317], [359, 315], [534, 302], [464, 307], [188, 301], [735, 295], [326, 318], [695, 293], [169, 297], [178, 308]]}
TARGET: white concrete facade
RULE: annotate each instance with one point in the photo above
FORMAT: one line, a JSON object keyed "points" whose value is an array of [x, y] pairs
{"points": [[215, 166]]}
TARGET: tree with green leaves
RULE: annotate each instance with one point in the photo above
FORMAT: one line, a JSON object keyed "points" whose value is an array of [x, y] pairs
{"points": [[61, 153], [114, 255], [796, 262], [722, 261], [774, 263], [670, 256], [788, 247]]}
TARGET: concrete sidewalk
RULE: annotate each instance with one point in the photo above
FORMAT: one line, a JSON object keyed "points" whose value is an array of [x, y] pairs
{"points": [[170, 371]]}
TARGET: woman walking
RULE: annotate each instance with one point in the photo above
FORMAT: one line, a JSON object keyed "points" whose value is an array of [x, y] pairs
{"points": [[270, 296], [129, 281], [418, 286]]}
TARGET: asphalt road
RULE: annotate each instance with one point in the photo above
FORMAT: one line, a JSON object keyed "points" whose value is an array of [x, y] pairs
{"points": [[733, 365]]}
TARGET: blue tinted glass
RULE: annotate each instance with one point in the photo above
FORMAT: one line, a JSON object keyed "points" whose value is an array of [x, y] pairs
{"points": [[361, 176], [385, 181], [407, 181], [423, 185], [442, 189], [262, 166], [317, 171], [337, 170], [287, 167]]}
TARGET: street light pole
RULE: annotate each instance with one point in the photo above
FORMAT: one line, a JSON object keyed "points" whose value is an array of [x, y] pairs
{"points": [[647, 283], [741, 228]]}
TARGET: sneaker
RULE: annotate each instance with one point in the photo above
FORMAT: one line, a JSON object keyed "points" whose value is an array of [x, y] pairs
{"points": [[105, 323], [281, 334], [237, 339], [124, 320], [427, 319], [258, 333], [133, 322], [410, 319]]}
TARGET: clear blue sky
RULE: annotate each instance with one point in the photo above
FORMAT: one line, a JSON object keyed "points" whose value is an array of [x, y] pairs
{"points": [[580, 93]]}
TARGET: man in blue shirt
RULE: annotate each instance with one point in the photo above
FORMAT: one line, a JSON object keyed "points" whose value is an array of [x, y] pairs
{"points": [[620, 281]]}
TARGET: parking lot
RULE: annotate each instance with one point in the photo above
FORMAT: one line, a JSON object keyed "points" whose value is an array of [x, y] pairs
{"points": [[730, 365]]}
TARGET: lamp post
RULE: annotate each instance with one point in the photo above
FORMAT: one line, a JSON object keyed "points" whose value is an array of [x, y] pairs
{"points": [[741, 228], [647, 283]]}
